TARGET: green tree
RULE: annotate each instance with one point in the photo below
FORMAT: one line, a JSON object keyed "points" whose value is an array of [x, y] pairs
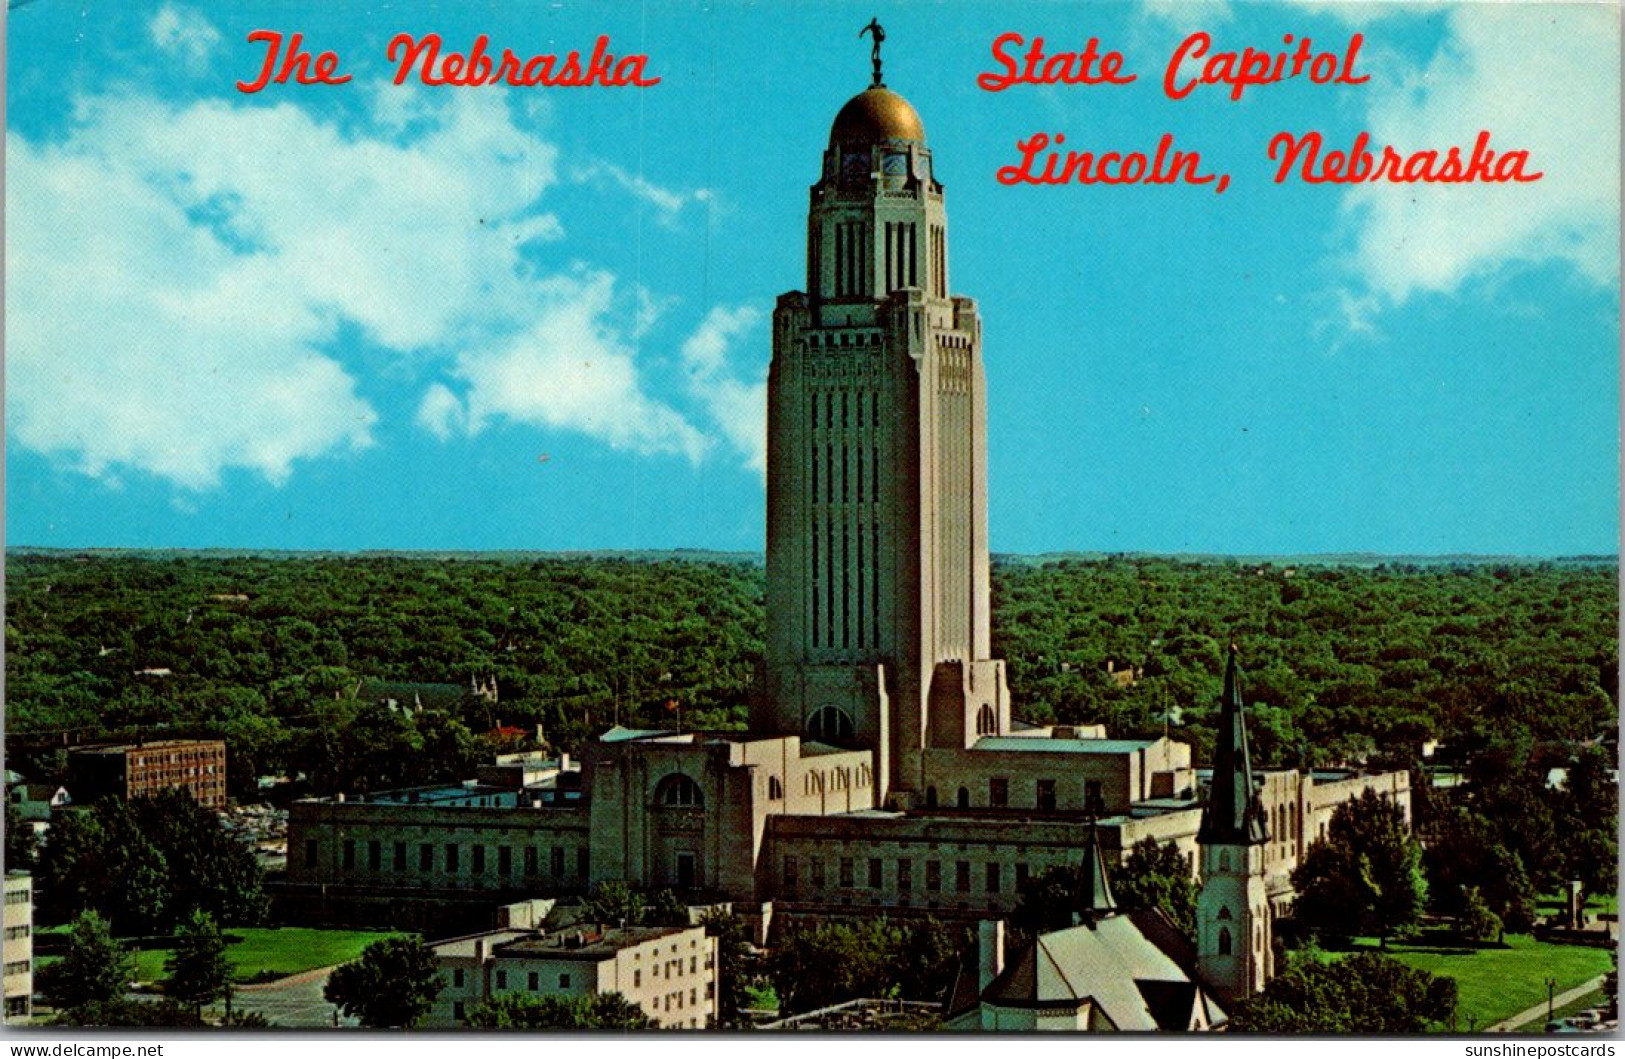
{"points": [[1365, 876], [614, 904], [94, 970], [1477, 922], [393, 983], [549, 1011], [198, 971], [1466, 852], [1367, 993], [21, 845], [1047, 902], [129, 1012], [1154, 876]]}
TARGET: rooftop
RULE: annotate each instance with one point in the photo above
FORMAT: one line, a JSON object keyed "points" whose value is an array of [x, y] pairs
{"points": [[1031, 745]]}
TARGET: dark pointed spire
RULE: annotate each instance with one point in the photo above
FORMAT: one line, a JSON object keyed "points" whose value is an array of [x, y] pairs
{"points": [[1232, 816], [1094, 898]]}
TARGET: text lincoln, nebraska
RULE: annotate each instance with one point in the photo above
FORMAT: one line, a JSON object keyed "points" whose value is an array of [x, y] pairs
{"points": [[287, 60]]}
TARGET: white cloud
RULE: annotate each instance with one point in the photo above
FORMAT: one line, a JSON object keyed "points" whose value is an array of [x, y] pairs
{"points": [[1542, 79], [441, 413], [184, 33], [179, 275], [571, 369], [738, 407], [667, 203]]}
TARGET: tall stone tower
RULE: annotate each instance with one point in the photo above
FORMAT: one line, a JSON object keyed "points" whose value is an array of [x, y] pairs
{"points": [[1234, 931], [877, 554]]}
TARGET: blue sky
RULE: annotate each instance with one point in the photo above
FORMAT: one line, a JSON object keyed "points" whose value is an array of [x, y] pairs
{"points": [[378, 316]]}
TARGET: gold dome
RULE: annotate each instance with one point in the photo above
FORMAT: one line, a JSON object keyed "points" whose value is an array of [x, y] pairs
{"points": [[874, 115]]}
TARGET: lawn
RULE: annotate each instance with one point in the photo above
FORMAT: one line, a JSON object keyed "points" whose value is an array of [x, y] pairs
{"points": [[264, 952], [1496, 983]]}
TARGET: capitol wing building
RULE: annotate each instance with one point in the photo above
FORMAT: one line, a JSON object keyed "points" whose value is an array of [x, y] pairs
{"points": [[884, 770]]}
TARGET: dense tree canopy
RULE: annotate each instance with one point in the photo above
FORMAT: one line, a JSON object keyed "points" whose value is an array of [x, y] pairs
{"points": [[1154, 876], [1343, 663], [547, 1011], [818, 966], [1365, 876], [1367, 993], [170, 856], [392, 984]]}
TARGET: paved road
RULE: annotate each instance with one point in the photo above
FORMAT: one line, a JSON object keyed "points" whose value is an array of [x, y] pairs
{"points": [[294, 1002], [1539, 1010]]}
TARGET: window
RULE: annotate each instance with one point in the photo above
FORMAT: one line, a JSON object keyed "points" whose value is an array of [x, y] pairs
{"points": [[637, 979], [451, 856], [964, 798], [504, 861], [311, 851], [790, 867], [502, 979], [533, 981], [478, 859], [931, 797], [817, 872], [998, 792], [375, 855], [775, 788], [530, 860], [830, 724], [349, 853], [1093, 800], [457, 1011], [874, 873], [425, 857], [933, 875], [678, 791], [564, 981], [1021, 875], [962, 876], [846, 871], [987, 722], [992, 878], [905, 875], [1046, 794], [1224, 941], [556, 862], [581, 863], [398, 859], [457, 977]]}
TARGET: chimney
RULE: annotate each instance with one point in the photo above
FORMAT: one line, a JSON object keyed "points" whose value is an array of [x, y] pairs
{"points": [[989, 952]]}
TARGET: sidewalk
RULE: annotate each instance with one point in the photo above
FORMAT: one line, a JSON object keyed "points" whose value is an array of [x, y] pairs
{"points": [[1539, 1010]]}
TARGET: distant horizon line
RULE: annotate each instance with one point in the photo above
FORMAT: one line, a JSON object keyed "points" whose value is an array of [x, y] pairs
{"points": [[760, 554]]}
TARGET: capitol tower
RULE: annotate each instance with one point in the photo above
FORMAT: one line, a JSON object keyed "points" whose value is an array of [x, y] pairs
{"points": [[877, 552]]}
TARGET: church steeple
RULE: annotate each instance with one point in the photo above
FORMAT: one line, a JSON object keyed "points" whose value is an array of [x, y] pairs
{"points": [[1232, 815], [1094, 896], [1235, 926]]}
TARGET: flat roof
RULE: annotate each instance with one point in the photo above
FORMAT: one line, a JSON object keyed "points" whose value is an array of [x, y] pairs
{"points": [[592, 944], [1036, 745]]}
